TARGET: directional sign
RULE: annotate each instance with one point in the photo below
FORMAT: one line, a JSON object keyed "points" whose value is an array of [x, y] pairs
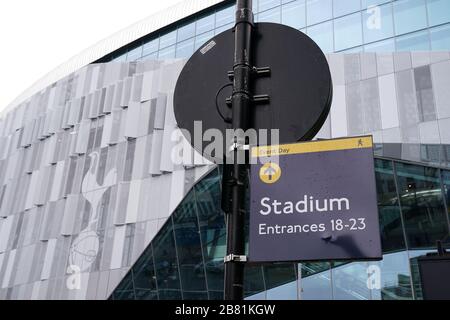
{"points": [[314, 201]]}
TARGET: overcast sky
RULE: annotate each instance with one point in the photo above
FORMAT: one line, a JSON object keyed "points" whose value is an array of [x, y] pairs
{"points": [[38, 35]]}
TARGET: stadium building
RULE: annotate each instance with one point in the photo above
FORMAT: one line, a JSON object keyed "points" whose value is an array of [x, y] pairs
{"points": [[92, 207]]}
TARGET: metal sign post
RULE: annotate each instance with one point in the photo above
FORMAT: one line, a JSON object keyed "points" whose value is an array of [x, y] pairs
{"points": [[281, 85], [241, 100]]}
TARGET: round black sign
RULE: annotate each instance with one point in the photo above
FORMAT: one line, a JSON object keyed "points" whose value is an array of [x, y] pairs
{"points": [[299, 85]]}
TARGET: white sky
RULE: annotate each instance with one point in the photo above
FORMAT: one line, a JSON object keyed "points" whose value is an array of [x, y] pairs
{"points": [[38, 35]]}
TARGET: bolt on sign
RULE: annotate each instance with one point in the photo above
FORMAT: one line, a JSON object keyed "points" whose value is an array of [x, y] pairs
{"points": [[314, 201]]}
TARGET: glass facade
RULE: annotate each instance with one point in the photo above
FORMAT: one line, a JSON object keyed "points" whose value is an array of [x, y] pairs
{"points": [[335, 25], [185, 259]]}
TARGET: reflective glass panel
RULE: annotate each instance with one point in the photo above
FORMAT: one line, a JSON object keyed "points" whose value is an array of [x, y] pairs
{"points": [[438, 12], [322, 34], [185, 48], [167, 53], [350, 282], [381, 46], [315, 281], [293, 14], [440, 38], [264, 5], [418, 41], [212, 229], [186, 32], [254, 280], [168, 39], [201, 39], [187, 238], [446, 183], [278, 274], [341, 8], [166, 263], [318, 11], [422, 205], [272, 15], [205, 24], [377, 23], [144, 276], [409, 15], [367, 3], [150, 47], [347, 32], [391, 228], [395, 277], [225, 16], [134, 54]]}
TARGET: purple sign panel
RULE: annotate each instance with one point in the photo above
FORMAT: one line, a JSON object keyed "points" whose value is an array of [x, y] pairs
{"points": [[314, 201]]}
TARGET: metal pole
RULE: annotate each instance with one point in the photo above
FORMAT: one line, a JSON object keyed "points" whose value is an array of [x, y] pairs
{"points": [[241, 103]]}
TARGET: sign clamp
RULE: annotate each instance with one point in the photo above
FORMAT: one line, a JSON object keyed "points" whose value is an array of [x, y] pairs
{"points": [[234, 258]]}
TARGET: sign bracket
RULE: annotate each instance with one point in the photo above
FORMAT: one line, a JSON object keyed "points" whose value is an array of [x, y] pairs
{"points": [[235, 258]]}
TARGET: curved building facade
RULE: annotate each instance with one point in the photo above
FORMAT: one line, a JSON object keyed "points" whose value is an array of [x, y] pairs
{"points": [[93, 207]]}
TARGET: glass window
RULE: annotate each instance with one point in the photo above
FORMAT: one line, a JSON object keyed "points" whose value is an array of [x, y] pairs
{"points": [[203, 38], [409, 15], [322, 34], [395, 277], [288, 291], [347, 32], [341, 8], [368, 3], [212, 229], [253, 280], [134, 54], [186, 32], [185, 49], [121, 58], [381, 46], [377, 23], [279, 274], [272, 15], [187, 239], [438, 12], [204, 24], [350, 282], [150, 56], [264, 5], [168, 39], [225, 16], [440, 38], [418, 41], [166, 264], [422, 205], [318, 11], [150, 47], [391, 228], [424, 93], [446, 184], [167, 53], [315, 281], [220, 29], [125, 291], [293, 14]]}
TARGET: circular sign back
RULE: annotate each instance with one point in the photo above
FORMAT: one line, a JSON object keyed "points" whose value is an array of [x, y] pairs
{"points": [[299, 85]]}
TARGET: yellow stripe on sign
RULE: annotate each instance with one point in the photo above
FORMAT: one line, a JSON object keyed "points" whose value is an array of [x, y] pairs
{"points": [[313, 146]]}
